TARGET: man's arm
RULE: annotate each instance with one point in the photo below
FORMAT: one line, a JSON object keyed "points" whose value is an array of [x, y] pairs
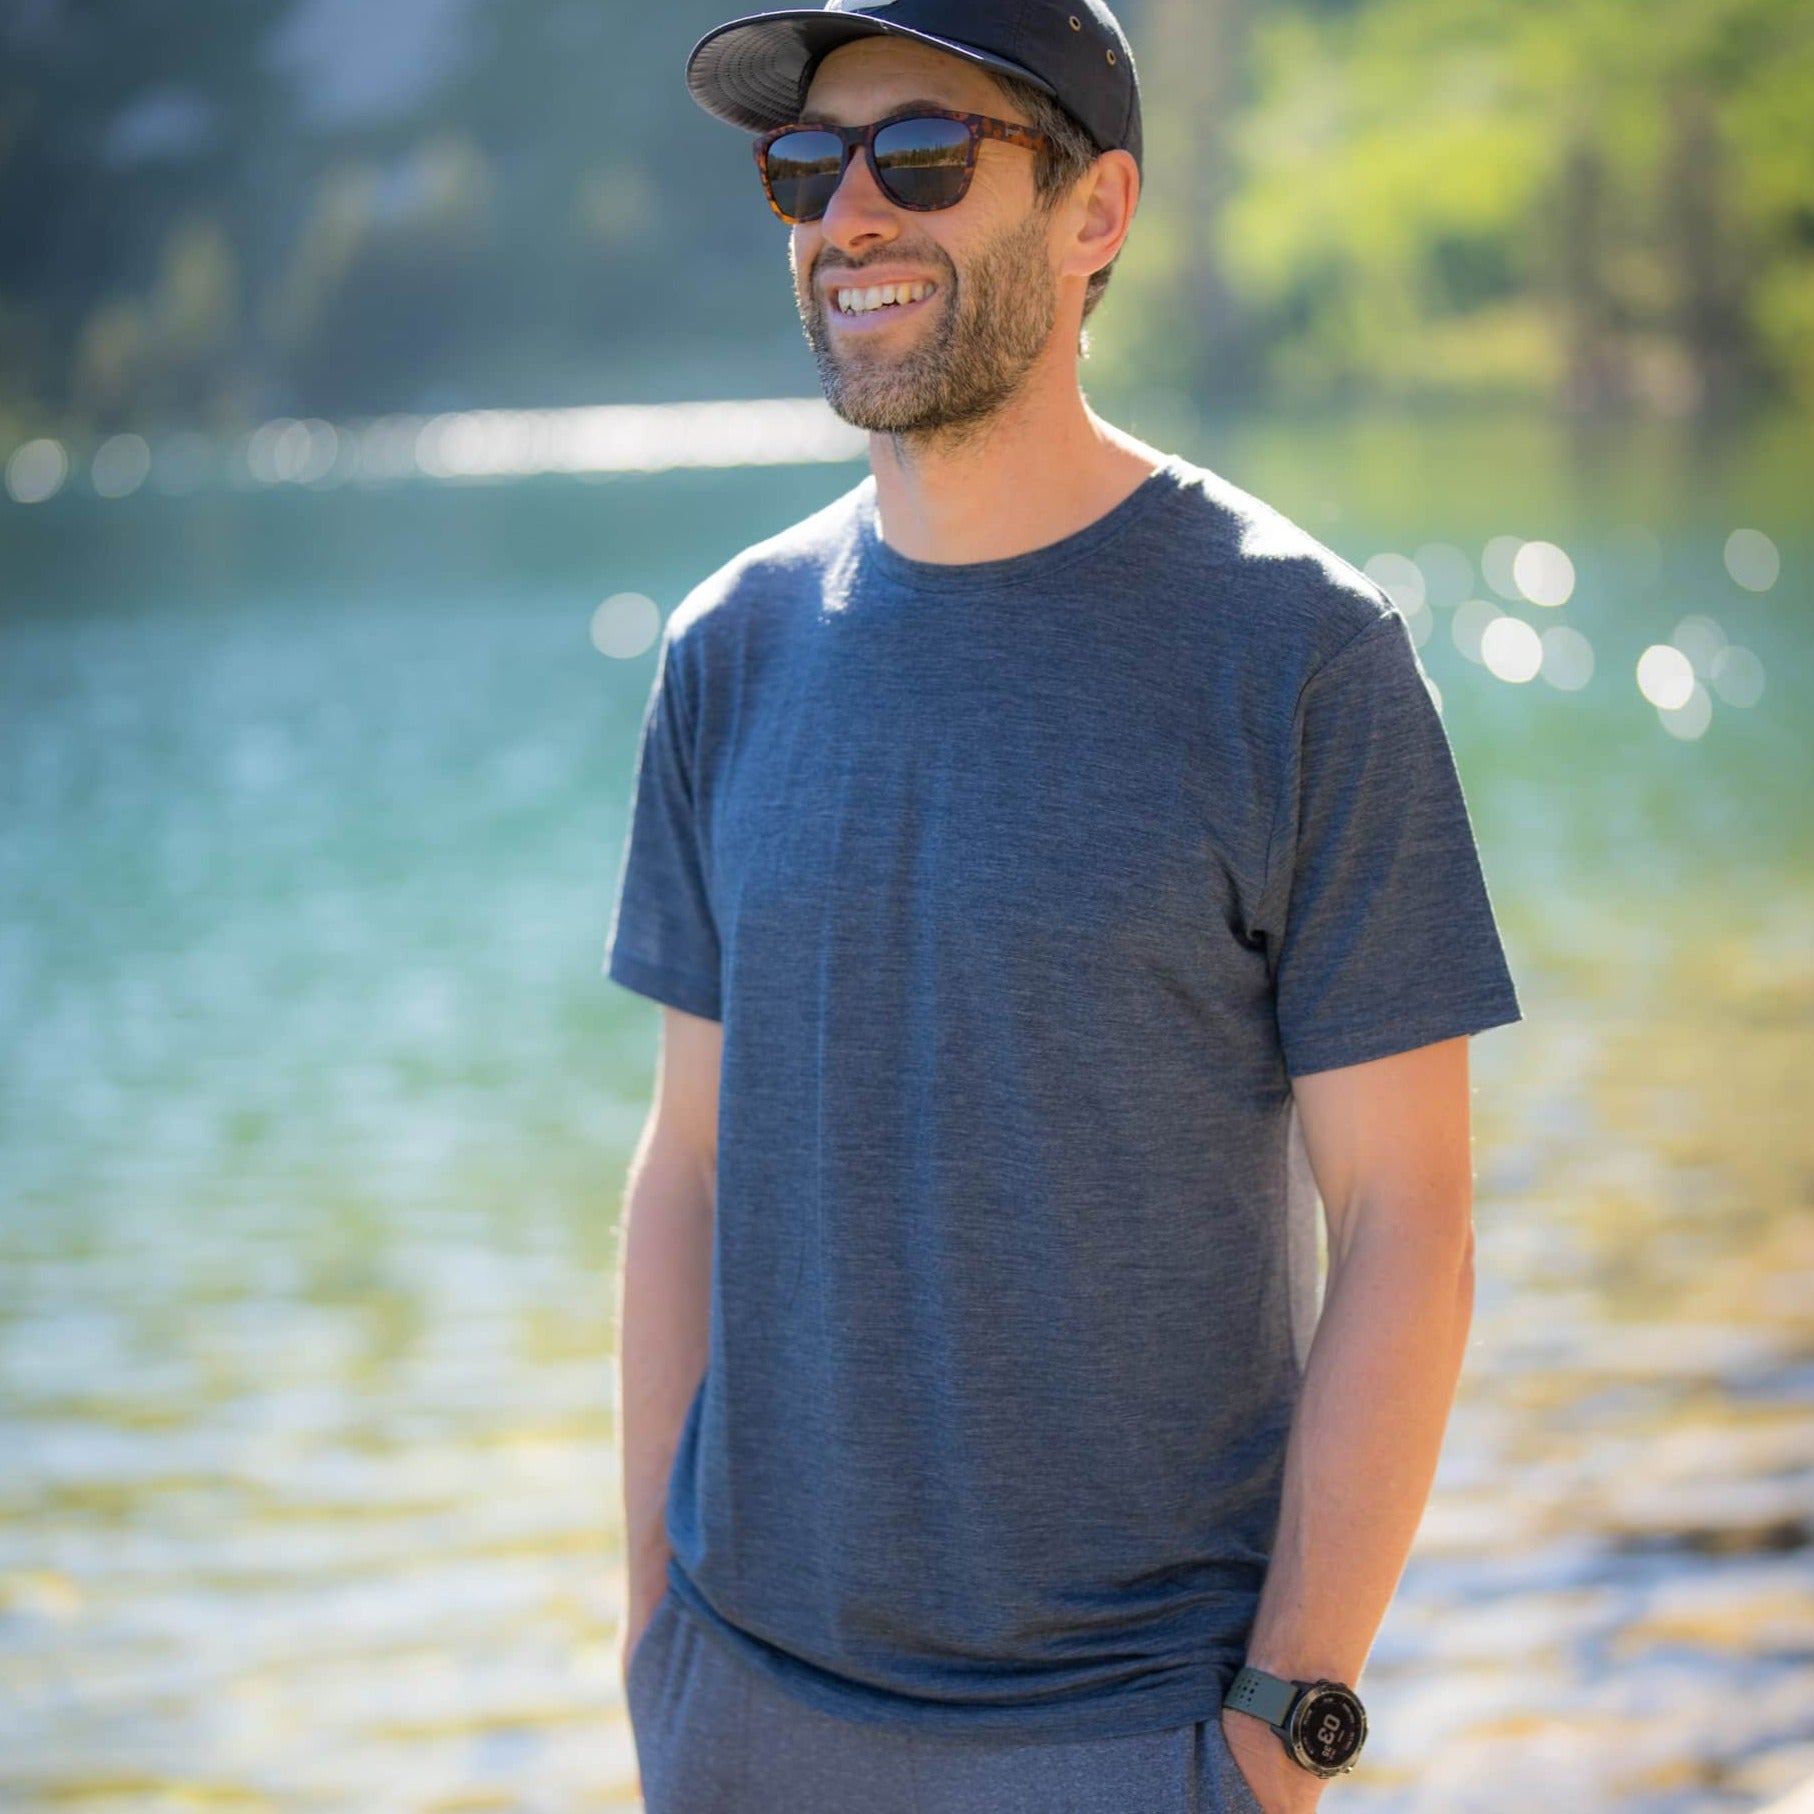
{"points": [[1389, 1142], [664, 1292]]}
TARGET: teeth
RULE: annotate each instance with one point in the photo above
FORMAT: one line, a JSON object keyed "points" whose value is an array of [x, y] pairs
{"points": [[860, 302]]}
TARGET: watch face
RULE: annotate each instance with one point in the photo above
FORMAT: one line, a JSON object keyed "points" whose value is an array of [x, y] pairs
{"points": [[1329, 1726]]}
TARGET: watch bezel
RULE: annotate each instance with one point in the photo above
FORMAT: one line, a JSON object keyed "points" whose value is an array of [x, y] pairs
{"points": [[1300, 1714]]}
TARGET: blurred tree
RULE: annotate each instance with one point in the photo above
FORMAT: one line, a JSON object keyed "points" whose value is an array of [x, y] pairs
{"points": [[1712, 266], [139, 146], [1597, 380], [1193, 87], [638, 256], [1598, 201]]}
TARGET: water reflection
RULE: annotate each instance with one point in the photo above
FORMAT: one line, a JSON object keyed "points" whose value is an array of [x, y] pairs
{"points": [[1611, 1604], [307, 1516], [458, 445]]}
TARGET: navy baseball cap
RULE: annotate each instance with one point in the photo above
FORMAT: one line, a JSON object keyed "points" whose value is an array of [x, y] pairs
{"points": [[754, 72]]}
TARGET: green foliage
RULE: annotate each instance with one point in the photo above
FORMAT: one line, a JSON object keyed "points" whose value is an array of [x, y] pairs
{"points": [[1607, 203], [1607, 200]]}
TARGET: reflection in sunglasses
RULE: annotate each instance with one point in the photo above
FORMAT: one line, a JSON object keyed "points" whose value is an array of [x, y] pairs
{"points": [[922, 161]]}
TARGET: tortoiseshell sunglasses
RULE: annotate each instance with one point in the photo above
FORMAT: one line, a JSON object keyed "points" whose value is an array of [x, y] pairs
{"points": [[921, 160]]}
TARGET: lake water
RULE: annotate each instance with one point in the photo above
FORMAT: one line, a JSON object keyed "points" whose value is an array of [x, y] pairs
{"points": [[315, 1112]]}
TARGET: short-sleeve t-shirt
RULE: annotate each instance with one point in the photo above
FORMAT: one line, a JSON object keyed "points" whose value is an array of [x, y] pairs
{"points": [[1023, 888]]}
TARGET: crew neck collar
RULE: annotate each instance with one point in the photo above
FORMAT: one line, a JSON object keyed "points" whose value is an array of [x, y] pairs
{"points": [[1011, 569]]}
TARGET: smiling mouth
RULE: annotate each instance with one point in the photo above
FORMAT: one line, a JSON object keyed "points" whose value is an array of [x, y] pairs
{"points": [[852, 306]]}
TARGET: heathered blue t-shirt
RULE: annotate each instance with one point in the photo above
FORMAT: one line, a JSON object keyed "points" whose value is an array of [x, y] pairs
{"points": [[1023, 888]]}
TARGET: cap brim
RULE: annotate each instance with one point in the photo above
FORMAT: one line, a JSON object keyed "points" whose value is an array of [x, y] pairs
{"points": [[751, 72]]}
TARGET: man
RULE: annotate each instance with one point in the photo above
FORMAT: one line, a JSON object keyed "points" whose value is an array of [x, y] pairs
{"points": [[1029, 849]]}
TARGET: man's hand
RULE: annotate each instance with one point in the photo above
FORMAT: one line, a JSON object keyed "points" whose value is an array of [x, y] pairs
{"points": [[1279, 1783], [644, 1598], [630, 1637]]}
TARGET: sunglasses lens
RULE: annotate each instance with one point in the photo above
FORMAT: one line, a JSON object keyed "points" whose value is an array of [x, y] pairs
{"points": [[803, 170], [924, 162]]}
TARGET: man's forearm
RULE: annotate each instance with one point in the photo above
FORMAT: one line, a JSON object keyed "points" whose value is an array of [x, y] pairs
{"points": [[664, 1312], [1378, 1388]]}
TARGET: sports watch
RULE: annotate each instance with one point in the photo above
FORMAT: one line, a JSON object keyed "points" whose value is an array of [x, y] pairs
{"points": [[1321, 1724]]}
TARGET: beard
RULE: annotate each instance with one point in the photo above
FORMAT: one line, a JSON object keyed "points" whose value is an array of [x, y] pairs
{"points": [[957, 373]]}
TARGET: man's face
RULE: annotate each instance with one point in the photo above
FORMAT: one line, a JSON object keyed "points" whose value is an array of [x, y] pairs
{"points": [[956, 358]]}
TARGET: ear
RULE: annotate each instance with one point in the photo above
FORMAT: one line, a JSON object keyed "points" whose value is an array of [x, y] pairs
{"points": [[1102, 206]]}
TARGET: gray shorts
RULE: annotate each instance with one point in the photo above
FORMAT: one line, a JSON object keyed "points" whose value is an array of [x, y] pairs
{"points": [[715, 1737]]}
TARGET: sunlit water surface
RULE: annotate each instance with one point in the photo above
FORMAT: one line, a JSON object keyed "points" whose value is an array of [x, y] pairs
{"points": [[315, 1112]]}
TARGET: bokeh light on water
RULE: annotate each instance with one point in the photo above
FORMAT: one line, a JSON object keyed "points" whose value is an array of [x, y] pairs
{"points": [[1543, 573], [1752, 559], [460, 446], [36, 470], [316, 1111]]}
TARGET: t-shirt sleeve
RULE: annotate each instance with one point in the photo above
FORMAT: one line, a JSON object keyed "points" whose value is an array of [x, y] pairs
{"points": [[663, 940], [1378, 928]]}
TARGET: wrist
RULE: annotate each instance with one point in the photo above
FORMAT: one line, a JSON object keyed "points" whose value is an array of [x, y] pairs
{"points": [[1295, 1665], [1318, 1722]]}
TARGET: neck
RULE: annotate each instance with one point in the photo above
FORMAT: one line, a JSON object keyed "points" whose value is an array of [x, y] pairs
{"points": [[1039, 469]]}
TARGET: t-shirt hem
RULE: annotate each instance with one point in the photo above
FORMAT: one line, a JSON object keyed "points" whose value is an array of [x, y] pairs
{"points": [[678, 989], [1188, 1694], [1404, 1035]]}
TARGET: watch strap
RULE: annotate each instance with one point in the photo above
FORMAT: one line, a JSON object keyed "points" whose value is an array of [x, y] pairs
{"points": [[1267, 1697]]}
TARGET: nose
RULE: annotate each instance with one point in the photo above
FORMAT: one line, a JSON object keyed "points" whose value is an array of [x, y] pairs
{"points": [[858, 207]]}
